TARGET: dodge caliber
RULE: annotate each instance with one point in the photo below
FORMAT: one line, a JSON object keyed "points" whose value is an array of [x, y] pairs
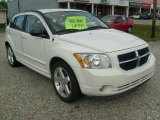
{"points": [[78, 52]]}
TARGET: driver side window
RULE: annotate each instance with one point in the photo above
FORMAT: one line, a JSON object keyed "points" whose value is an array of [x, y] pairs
{"points": [[118, 19], [123, 18], [34, 22]]}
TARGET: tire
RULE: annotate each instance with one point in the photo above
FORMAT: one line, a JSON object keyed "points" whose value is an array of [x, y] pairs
{"points": [[65, 82], [11, 57], [129, 30]]}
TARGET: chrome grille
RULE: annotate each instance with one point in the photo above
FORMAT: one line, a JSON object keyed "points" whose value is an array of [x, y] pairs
{"points": [[133, 59]]}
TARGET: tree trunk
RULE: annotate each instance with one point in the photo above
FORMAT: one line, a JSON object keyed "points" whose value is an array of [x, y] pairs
{"points": [[153, 34]]}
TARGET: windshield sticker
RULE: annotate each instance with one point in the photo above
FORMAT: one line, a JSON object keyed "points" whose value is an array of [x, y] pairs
{"points": [[76, 22]]}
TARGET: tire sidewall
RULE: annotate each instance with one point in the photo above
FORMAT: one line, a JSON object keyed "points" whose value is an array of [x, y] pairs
{"points": [[75, 90], [14, 58]]}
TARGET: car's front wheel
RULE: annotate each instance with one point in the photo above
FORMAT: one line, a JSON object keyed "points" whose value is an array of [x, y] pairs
{"points": [[65, 82]]}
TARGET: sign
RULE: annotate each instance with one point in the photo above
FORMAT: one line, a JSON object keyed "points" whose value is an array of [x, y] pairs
{"points": [[139, 4], [76, 22], [146, 5], [134, 4]]}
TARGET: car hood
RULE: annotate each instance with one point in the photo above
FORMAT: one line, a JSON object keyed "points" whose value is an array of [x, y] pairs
{"points": [[103, 40]]}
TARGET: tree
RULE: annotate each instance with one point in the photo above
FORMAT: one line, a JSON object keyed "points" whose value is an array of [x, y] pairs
{"points": [[153, 34], [4, 4]]}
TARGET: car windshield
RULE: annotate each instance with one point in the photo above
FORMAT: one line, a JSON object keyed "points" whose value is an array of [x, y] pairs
{"points": [[73, 21], [108, 19]]}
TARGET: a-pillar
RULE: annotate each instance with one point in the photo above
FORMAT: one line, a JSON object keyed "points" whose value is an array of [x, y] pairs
{"points": [[68, 5], [92, 8], [112, 9]]}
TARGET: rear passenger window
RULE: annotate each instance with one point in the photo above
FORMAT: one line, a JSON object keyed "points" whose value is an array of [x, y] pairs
{"points": [[17, 23], [12, 24]]}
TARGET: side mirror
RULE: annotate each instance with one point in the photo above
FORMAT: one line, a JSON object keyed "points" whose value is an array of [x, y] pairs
{"points": [[39, 33], [36, 32]]}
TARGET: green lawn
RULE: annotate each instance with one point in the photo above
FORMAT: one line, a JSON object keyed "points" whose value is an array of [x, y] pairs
{"points": [[144, 32]]}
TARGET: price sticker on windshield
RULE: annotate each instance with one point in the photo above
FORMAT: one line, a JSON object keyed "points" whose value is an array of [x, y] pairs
{"points": [[76, 22]]}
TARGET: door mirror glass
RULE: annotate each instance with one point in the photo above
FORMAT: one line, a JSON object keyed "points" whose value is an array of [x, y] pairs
{"points": [[39, 33], [36, 32]]}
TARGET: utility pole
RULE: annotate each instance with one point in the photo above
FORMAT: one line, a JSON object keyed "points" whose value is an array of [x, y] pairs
{"points": [[153, 35], [18, 6]]}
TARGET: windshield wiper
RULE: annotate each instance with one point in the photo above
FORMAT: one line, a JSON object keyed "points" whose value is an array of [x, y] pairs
{"points": [[76, 30], [96, 27], [68, 31]]}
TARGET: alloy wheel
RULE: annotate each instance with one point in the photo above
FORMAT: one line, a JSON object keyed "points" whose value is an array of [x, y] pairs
{"points": [[10, 56], [62, 82]]}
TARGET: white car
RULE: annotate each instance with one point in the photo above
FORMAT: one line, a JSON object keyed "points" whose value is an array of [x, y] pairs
{"points": [[80, 53], [135, 16]]}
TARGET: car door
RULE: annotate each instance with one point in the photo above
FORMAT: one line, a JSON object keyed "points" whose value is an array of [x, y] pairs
{"points": [[15, 32], [125, 24], [118, 23], [34, 46]]}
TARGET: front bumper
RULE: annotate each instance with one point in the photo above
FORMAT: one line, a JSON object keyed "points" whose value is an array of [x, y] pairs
{"points": [[113, 81]]}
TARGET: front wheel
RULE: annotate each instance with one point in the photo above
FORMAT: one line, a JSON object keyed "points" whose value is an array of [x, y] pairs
{"points": [[65, 82]]}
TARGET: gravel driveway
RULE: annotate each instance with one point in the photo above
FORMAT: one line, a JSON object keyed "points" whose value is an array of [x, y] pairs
{"points": [[26, 95]]}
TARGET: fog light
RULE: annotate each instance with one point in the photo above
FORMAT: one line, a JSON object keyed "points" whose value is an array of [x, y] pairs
{"points": [[105, 88]]}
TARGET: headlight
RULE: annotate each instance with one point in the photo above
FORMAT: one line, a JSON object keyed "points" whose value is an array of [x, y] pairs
{"points": [[93, 61]]}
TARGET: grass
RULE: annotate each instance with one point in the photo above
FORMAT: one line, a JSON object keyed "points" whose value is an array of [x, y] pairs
{"points": [[2, 30], [144, 32]]}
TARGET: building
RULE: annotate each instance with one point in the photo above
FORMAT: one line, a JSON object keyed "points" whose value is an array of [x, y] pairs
{"points": [[97, 7], [142, 6], [3, 18], [16, 6]]}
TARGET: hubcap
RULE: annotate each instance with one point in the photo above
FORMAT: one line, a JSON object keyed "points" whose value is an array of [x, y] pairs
{"points": [[10, 56], [62, 82]]}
